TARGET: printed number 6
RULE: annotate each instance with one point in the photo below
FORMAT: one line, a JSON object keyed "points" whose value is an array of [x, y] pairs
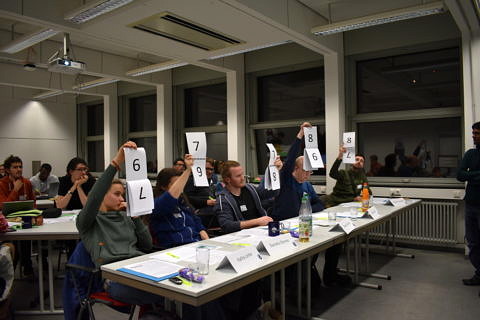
{"points": [[314, 156], [136, 165]]}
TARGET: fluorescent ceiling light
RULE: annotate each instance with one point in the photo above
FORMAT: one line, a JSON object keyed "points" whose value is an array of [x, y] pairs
{"points": [[380, 18], [94, 9], [28, 40], [156, 68], [94, 83], [248, 50], [47, 94]]}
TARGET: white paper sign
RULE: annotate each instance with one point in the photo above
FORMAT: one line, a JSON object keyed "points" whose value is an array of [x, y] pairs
{"points": [[197, 147], [349, 156], [272, 175], [312, 157], [349, 144], [397, 202], [372, 212], [140, 197], [135, 164], [276, 245], [345, 225], [241, 260]]}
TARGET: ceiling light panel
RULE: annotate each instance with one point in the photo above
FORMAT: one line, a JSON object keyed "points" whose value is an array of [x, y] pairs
{"points": [[47, 94], [94, 9], [381, 18]]}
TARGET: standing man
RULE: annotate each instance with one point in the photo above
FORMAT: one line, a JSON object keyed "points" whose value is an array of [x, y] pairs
{"points": [[43, 180], [294, 182], [470, 171], [14, 187]]}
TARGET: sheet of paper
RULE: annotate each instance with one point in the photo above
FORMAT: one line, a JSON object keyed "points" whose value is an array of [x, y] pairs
{"points": [[199, 174], [241, 260], [311, 141], [258, 232], [140, 197], [197, 144], [273, 154], [135, 164], [349, 139], [229, 238], [373, 212], [349, 156], [153, 269], [313, 158]]}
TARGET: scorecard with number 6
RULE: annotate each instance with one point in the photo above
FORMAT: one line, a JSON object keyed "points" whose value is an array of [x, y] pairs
{"points": [[139, 188]]}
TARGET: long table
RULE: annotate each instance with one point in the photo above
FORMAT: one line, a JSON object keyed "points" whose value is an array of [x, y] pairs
{"points": [[65, 230], [221, 282]]}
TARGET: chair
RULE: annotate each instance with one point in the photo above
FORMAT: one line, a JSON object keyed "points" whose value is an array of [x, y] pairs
{"points": [[83, 287]]}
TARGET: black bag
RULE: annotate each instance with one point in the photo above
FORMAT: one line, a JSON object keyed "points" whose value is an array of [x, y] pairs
{"points": [[52, 213]]}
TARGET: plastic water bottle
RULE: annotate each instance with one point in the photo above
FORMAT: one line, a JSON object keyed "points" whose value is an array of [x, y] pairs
{"points": [[305, 220], [365, 197]]}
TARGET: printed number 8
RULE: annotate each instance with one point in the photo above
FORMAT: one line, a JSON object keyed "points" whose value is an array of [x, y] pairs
{"points": [[310, 138]]}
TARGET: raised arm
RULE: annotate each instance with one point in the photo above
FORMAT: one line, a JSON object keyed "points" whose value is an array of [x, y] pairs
{"points": [[334, 173], [177, 188], [89, 212]]}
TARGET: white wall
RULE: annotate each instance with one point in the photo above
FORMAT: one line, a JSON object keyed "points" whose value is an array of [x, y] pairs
{"points": [[37, 131]]}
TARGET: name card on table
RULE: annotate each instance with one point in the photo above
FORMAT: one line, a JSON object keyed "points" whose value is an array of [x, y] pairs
{"points": [[349, 144], [241, 260], [312, 157], [272, 176], [139, 189], [345, 225], [396, 202], [197, 147], [372, 213], [275, 245]]}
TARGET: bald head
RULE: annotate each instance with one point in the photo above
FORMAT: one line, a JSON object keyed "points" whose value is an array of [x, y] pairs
{"points": [[298, 173], [299, 162]]}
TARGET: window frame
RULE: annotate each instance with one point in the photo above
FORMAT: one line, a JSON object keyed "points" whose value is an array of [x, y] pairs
{"points": [[354, 118], [82, 131], [252, 115]]}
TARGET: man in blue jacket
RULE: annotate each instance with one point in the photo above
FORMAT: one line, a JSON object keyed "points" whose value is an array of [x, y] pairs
{"points": [[239, 203], [294, 182], [470, 171]]}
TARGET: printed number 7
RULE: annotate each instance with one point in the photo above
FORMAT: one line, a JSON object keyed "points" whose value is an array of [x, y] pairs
{"points": [[196, 147]]}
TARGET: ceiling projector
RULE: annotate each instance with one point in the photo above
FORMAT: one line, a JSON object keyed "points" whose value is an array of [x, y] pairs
{"points": [[66, 65]]}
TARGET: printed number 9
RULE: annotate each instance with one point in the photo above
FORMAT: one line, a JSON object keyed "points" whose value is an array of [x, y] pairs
{"points": [[199, 170], [136, 165]]}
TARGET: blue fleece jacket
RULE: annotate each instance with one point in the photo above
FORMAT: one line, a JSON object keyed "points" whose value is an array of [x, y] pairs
{"points": [[173, 223], [228, 212], [287, 203]]}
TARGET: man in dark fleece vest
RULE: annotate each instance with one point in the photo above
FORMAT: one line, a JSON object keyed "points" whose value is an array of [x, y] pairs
{"points": [[470, 171], [294, 182]]}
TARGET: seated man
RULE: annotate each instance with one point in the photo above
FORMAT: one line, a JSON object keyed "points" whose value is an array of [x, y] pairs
{"points": [[239, 204], [294, 182], [43, 180], [179, 165], [14, 187], [203, 198]]}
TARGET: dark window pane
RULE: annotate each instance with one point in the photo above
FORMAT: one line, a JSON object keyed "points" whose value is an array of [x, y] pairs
{"points": [[217, 145], [292, 95], [412, 148], [143, 113], [206, 106], [412, 81], [282, 139], [96, 158], [150, 145], [95, 120]]}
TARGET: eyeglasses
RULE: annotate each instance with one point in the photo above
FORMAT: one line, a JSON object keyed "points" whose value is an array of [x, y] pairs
{"points": [[209, 169], [81, 169]]}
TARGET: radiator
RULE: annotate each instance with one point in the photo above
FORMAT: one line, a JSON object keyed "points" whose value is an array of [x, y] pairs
{"points": [[431, 223]]}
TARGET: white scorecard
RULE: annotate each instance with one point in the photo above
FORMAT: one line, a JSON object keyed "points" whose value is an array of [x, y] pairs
{"points": [[349, 144], [197, 147], [139, 188], [272, 176], [312, 157]]}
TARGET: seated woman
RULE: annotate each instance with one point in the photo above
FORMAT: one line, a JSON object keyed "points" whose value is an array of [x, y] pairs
{"points": [[74, 186], [109, 235], [173, 222]]}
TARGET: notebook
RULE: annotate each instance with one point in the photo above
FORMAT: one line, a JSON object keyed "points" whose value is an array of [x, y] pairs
{"points": [[14, 206]]}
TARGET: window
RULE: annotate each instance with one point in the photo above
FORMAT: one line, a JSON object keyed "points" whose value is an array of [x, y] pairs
{"points": [[287, 95], [407, 82], [282, 139], [91, 135], [206, 105], [142, 127], [205, 110], [283, 101], [408, 116]]}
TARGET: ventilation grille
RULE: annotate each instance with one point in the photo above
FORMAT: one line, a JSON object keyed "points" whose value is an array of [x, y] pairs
{"points": [[176, 28]]}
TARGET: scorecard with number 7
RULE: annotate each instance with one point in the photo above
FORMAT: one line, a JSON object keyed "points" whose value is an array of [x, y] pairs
{"points": [[197, 147]]}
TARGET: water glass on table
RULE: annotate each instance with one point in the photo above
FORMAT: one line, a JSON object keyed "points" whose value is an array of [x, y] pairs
{"points": [[203, 259]]}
